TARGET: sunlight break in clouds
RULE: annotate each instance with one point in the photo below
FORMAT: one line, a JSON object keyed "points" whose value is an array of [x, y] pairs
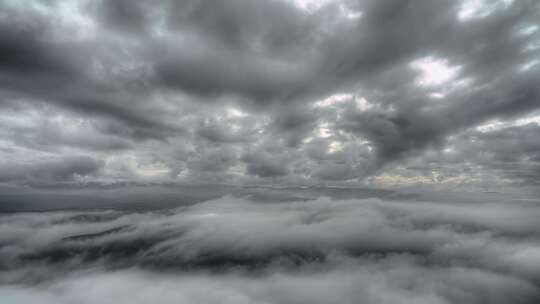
{"points": [[434, 71]]}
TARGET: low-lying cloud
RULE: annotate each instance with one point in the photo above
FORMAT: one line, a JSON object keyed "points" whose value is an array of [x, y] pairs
{"points": [[238, 250]]}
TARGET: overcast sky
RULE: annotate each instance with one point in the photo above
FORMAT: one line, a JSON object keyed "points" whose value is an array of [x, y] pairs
{"points": [[365, 92]]}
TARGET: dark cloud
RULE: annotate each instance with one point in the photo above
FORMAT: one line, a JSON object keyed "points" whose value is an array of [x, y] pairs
{"points": [[46, 171], [213, 160], [226, 131], [264, 165], [246, 74], [127, 16], [337, 172]]}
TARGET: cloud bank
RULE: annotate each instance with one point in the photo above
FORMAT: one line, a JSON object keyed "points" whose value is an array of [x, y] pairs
{"points": [[235, 250]]}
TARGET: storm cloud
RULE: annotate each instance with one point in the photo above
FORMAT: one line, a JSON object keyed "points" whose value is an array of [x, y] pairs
{"points": [[372, 85]]}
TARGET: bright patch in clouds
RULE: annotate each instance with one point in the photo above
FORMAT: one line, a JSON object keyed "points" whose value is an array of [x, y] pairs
{"points": [[349, 13], [324, 130], [363, 105], [315, 5], [471, 9], [311, 5], [496, 125], [335, 146], [153, 170], [235, 113], [333, 100], [360, 103], [528, 120], [434, 71]]}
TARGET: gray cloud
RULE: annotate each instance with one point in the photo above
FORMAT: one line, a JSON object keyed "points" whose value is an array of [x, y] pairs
{"points": [[236, 151], [50, 170], [337, 172], [214, 160], [264, 165], [391, 250], [240, 75]]}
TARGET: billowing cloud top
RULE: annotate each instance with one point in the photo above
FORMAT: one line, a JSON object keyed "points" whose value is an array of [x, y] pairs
{"points": [[278, 91], [237, 250]]}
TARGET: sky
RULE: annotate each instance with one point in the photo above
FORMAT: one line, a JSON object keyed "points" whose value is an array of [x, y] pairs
{"points": [[270, 151], [305, 92]]}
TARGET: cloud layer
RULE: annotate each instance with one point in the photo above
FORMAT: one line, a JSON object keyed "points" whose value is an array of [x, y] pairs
{"points": [[238, 250], [269, 91]]}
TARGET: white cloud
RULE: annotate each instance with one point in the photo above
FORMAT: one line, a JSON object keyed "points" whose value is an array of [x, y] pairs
{"points": [[325, 239], [435, 71]]}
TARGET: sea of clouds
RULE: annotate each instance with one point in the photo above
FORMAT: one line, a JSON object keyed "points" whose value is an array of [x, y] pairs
{"points": [[241, 250]]}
